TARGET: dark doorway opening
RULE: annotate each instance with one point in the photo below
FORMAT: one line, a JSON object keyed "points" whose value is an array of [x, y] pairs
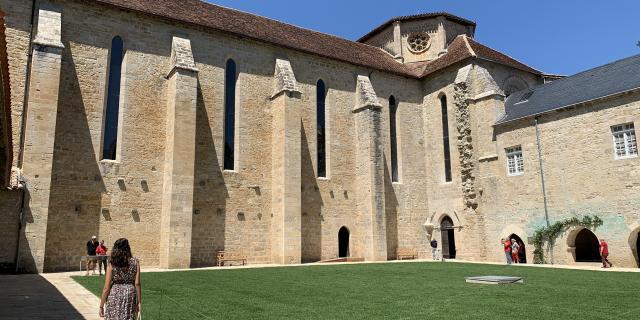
{"points": [[522, 252], [587, 247], [448, 238], [343, 242], [638, 249]]}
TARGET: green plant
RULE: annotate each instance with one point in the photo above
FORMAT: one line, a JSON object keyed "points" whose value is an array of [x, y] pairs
{"points": [[548, 234]]}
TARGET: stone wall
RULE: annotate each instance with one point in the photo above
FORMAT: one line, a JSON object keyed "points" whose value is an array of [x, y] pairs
{"points": [[9, 220], [582, 177]]}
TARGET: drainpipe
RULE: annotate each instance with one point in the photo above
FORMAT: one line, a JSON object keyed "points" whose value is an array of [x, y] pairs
{"points": [[544, 190], [27, 81], [23, 125]]}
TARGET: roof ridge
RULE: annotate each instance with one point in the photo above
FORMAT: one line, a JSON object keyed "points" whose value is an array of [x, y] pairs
{"points": [[266, 30], [466, 42], [593, 69], [415, 16], [282, 22], [504, 54]]}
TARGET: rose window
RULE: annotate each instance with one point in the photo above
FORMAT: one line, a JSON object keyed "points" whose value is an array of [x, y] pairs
{"points": [[419, 42]]}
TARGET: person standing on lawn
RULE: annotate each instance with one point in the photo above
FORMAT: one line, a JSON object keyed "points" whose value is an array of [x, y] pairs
{"points": [[604, 253], [101, 252], [515, 250], [507, 249], [92, 245], [122, 292], [434, 249]]}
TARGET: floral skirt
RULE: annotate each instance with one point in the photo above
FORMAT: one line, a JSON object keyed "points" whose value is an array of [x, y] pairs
{"points": [[121, 302]]}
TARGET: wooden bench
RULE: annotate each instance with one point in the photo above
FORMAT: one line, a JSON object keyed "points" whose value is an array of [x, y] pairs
{"points": [[406, 253], [222, 256]]}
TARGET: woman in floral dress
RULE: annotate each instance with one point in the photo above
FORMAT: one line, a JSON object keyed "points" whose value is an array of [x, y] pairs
{"points": [[122, 292]]}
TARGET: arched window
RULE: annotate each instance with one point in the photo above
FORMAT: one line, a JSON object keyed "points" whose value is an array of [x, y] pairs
{"points": [[393, 108], [445, 139], [229, 114], [110, 136], [321, 95]]}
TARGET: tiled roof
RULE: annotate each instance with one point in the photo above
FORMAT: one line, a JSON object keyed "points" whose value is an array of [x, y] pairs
{"points": [[266, 30], [446, 15], [464, 47], [613, 78], [285, 35]]}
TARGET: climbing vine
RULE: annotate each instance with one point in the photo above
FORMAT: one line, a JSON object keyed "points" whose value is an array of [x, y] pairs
{"points": [[548, 234]]}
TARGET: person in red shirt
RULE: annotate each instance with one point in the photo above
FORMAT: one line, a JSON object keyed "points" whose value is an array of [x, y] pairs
{"points": [[101, 252], [507, 250], [604, 253]]}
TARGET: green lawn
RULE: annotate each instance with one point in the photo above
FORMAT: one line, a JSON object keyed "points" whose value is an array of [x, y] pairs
{"points": [[386, 291]]}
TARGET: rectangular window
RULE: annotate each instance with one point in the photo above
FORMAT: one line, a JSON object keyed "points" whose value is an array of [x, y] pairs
{"points": [[624, 141], [515, 161]]}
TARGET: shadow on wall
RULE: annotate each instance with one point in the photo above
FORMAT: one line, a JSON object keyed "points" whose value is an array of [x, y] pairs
{"points": [[76, 183], [209, 194], [312, 204], [33, 297], [391, 213]]}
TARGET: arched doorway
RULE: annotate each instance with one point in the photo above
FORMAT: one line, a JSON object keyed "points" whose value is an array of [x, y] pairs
{"points": [[448, 238], [522, 253], [343, 242], [587, 247]]}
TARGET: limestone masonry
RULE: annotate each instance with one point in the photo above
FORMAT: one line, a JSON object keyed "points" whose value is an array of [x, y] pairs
{"points": [[191, 128]]}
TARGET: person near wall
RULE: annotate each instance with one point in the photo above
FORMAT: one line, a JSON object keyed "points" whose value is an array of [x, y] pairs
{"points": [[101, 252], [507, 249], [92, 245], [434, 249], [604, 253], [122, 292], [515, 251]]}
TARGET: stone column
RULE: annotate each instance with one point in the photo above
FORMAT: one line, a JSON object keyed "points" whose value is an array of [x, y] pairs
{"points": [[370, 171], [286, 224], [179, 161], [39, 136]]}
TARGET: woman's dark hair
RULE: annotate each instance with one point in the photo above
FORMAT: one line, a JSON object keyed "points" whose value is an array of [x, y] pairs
{"points": [[121, 253]]}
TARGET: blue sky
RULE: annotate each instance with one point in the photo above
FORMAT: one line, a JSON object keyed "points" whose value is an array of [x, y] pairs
{"points": [[561, 36]]}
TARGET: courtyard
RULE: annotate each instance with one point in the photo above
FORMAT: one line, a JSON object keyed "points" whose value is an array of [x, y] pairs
{"points": [[420, 290]]}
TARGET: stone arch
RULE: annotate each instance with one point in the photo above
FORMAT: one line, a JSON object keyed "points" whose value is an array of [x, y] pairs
{"points": [[344, 236], [634, 242], [522, 252], [513, 84], [583, 245], [507, 232], [448, 241]]}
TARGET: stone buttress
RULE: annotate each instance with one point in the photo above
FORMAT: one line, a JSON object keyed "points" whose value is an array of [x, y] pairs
{"points": [[179, 162], [370, 195], [286, 246], [39, 136]]}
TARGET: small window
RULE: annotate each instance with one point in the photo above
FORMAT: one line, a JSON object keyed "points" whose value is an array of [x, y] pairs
{"points": [[525, 97], [112, 114], [624, 141], [515, 161], [229, 114]]}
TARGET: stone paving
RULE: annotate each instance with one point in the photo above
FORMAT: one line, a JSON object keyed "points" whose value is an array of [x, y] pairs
{"points": [[58, 296], [37, 297]]}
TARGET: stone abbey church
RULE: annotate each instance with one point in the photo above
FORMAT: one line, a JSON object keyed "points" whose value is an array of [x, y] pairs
{"points": [[191, 128]]}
